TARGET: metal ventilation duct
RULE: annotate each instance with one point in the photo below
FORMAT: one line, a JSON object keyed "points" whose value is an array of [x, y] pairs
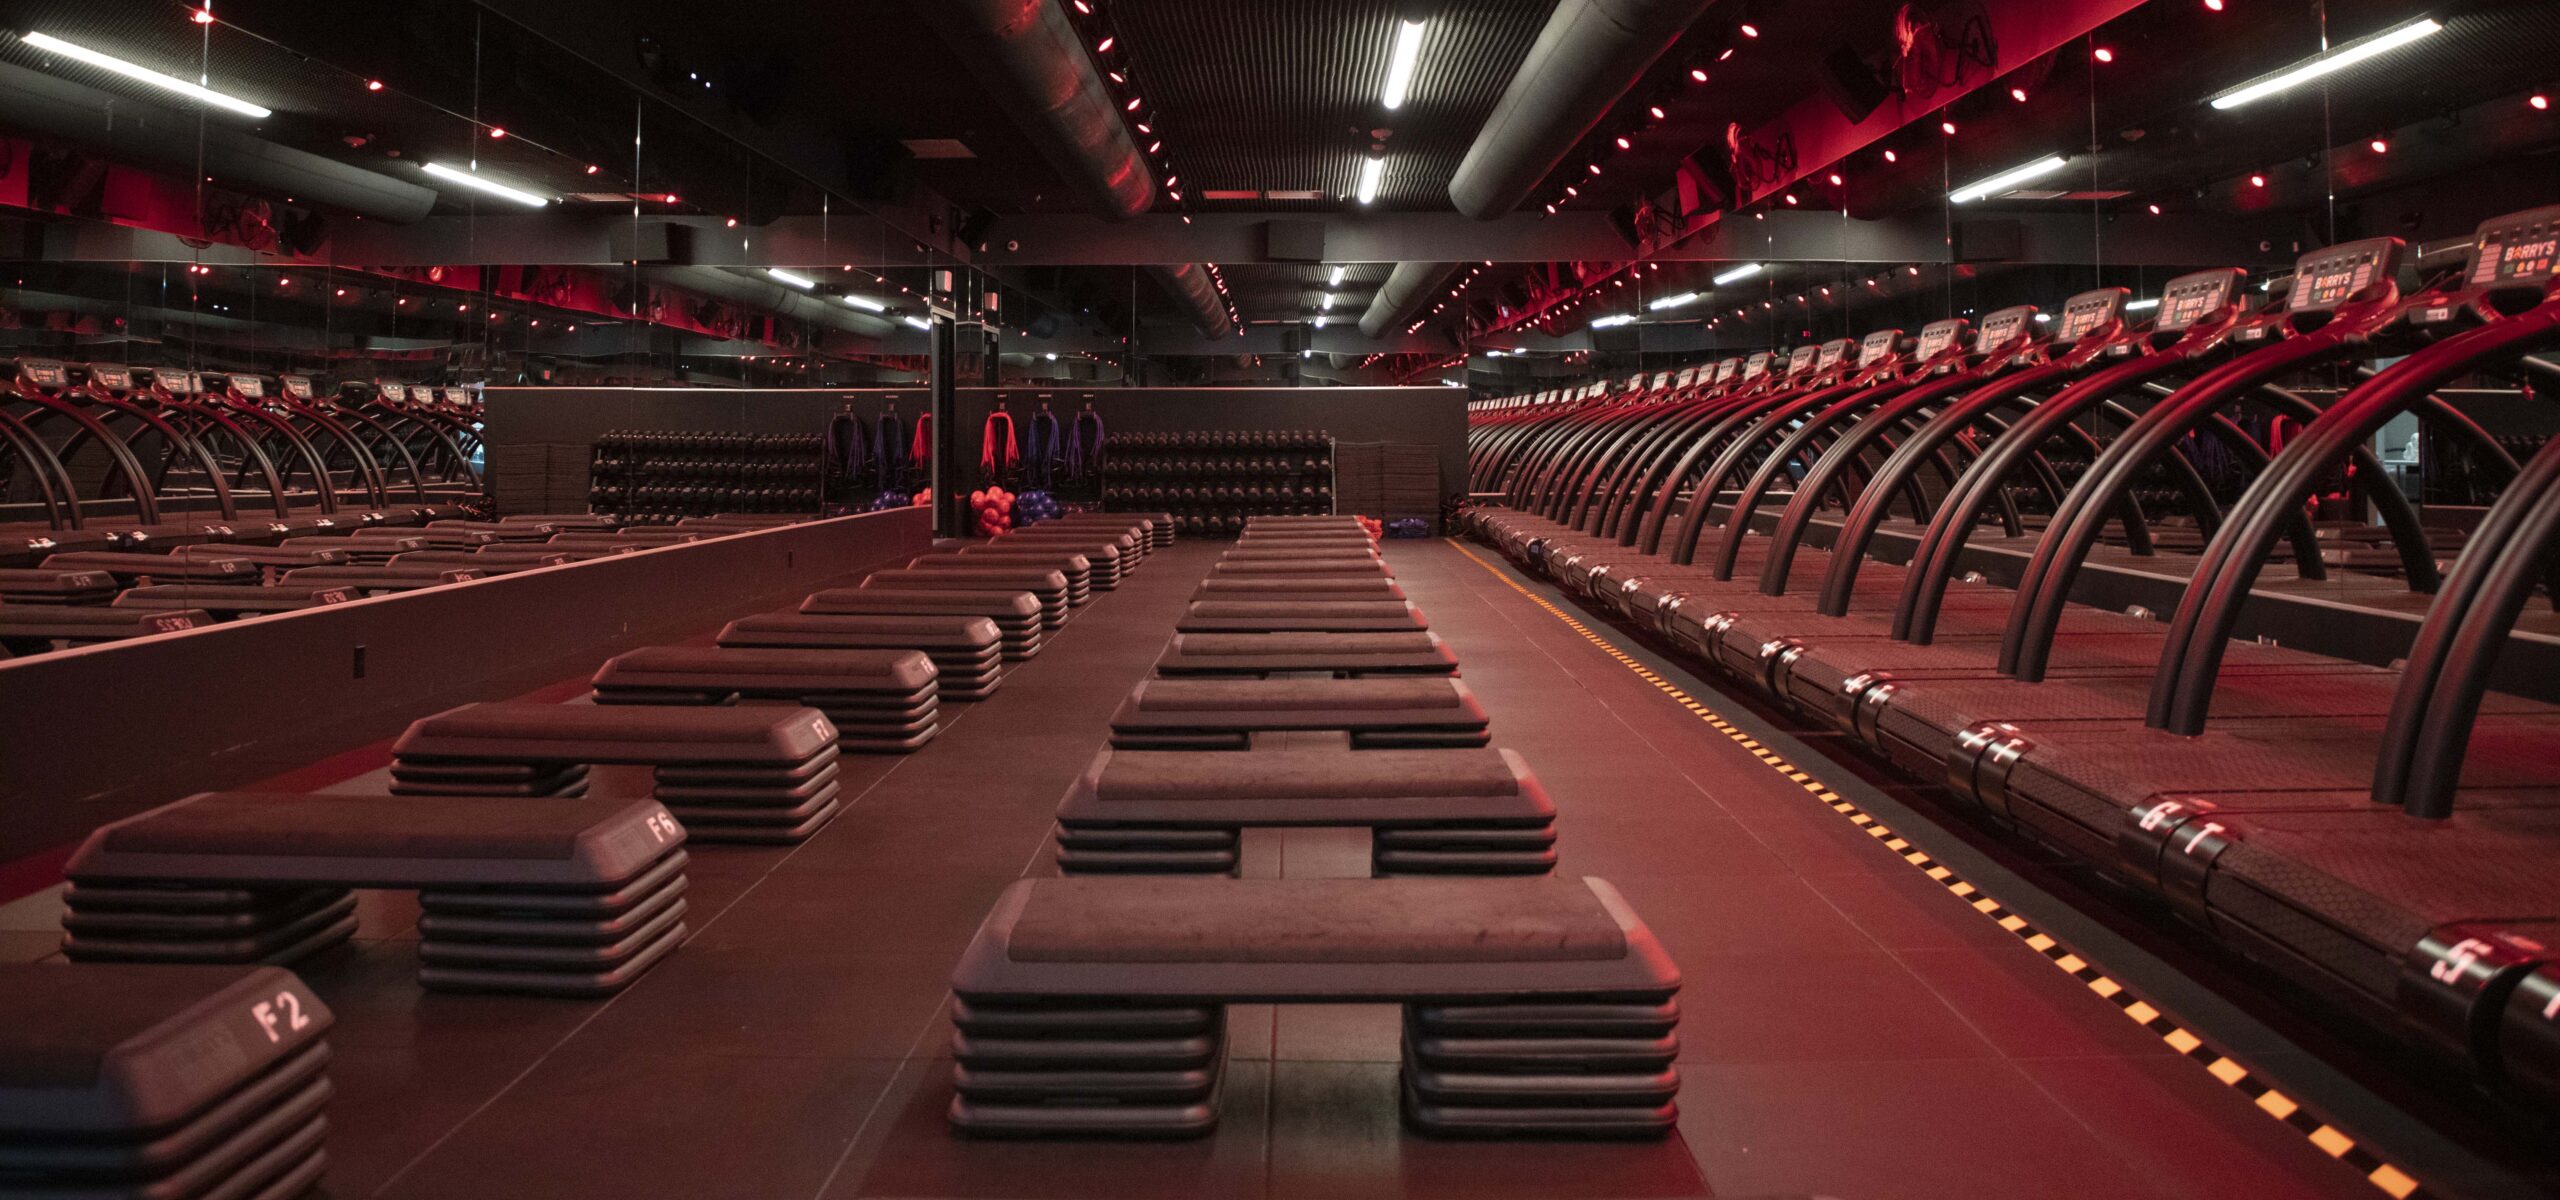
{"points": [[1190, 284], [149, 135], [1030, 56], [786, 302], [1589, 54], [1403, 294]]}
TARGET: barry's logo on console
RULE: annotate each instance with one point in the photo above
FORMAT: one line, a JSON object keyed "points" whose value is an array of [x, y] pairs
{"points": [[1873, 348]]}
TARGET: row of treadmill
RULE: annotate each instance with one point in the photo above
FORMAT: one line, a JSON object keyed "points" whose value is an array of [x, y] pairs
{"points": [[1900, 539], [104, 456]]}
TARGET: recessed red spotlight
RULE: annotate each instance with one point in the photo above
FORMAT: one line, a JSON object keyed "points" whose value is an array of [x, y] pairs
{"points": [[1084, 8], [1890, 156], [496, 133], [1624, 144], [1947, 127], [1697, 74], [2257, 181], [2103, 54], [1749, 30], [1105, 44], [1791, 197], [1132, 105], [2018, 94], [1571, 190], [373, 85], [733, 222], [2540, 102], [2380, 145], [201, 16], [1836, 180], [2155, 210], [2213, 5], [593, 169], [1657, 112], [1594, 168]]}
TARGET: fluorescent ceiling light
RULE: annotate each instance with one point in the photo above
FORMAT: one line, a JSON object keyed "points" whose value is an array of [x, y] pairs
{"points": [[472, 180], [2335, 60], [1336, 281], [1371, 169], [918, 322], [1613, 322], [141, 74], [2140, 305], [1673, 301], [1400, 64], [2005, 180], [866, 304], [1738, 274], [1327, 302], [802, 282]]}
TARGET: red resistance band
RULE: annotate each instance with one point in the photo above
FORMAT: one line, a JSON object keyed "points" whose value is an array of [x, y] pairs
{"points": [[991, 446], [923, 440]]}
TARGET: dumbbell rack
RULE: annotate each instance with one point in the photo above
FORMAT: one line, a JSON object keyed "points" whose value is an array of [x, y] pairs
{"points": [[1211, 480], [659, 476]]}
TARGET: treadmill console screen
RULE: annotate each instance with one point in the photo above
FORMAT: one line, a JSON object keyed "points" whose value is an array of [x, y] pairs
{"points": [[420, 393], [1725, 369], [2003, 327], [1873, 347], [2325, 280], [1802, 360], [1688, 376], [1832, 352], [2190, 298], [184, 383], [113, 379], [1937, 337], [1756, 366], [2089, 310], [250, 386], [297, 386], [44, 374], [1661, 380], [2515, 250]]}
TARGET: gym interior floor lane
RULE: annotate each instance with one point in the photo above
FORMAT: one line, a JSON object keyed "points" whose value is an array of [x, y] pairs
{"points": [[1850, 1028]]}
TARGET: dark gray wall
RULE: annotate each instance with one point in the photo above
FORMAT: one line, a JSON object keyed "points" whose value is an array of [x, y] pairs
{"points": [[103, 732], [574, 416]]}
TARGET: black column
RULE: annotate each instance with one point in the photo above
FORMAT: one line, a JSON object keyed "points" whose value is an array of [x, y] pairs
{"points": [[950, 506]]}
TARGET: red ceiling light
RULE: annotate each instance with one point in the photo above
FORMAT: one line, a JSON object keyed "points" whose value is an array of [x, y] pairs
{"points": [[2257, 181], [1890, 156], [2213, 5], [733, 222], [2380, 145], [1594, 168], [1727, 53], [2155, 210], [1836, 180], [593, 169], [1571, 190], [1791, 197], [1084, 8], [1154, 147], [1143, 127], [2540, 102], [373, 85], [496, 134], [1657, 112], [1117, 77], [1749, 30], [1132, 105], [1105, 44], [202, 16], [1697, 74], [2018, 94], [671, 198], [2103, 54], [1624, 144], [1947, 127]]}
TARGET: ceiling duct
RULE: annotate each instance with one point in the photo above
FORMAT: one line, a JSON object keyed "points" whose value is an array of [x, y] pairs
{"points": [[1190, 284], [1589, 54], [1407, 287], [1029, 55], [123, 129], [767, 296]]}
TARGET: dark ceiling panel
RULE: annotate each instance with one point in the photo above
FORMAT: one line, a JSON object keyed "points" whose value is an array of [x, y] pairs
{"points": [[1283, 94]]}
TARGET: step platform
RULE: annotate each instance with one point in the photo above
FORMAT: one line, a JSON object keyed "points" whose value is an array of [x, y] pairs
{"points": [[161, 1081], [231, 601], [564, 896], [389, 578], [967, 651], [880, 701], [751, 774], [1301, 616], [1048, 586], [1341, 655], [1016, 614], [1228, 714], [1533, 1007], [1429, 812], [1297, 587], [36, 585]]}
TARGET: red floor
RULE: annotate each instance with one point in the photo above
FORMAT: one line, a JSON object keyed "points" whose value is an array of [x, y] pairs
{"points": [[1853, 1027]]}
